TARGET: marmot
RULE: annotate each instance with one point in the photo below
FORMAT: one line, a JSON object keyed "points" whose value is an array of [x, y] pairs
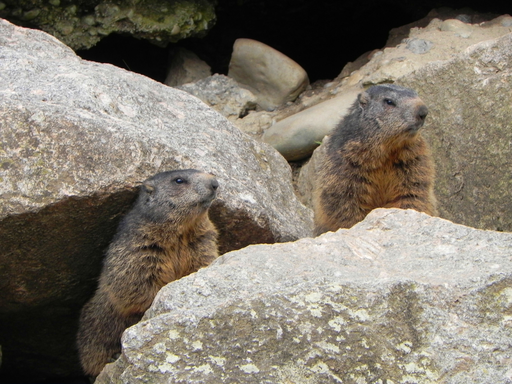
{"points": [[375, 158], [165, 236]]}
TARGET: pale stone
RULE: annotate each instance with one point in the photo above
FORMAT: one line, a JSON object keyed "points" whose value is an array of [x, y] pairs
{"points": [[272, 76], [458, 27], [297, 136]]}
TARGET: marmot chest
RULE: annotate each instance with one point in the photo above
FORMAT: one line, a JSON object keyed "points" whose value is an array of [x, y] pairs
{"points": [[170, 258], [382, 187]]}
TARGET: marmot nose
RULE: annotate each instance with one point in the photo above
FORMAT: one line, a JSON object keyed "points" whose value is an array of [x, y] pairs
{"points": [[215, 184], [422, 112]]}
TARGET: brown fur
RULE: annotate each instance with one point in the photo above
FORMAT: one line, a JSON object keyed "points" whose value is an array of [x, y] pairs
{"points": [[167, 235], [375, 158]]}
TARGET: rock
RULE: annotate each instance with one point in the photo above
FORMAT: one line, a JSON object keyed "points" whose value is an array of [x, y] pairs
{"points": [[467, 15], [446, 39], [273, 77], [419, 46], [306, 179], [458, 27], [468, 128], [82, 24], [77, 138], [223, 94], [401, 297], [186, 67], [297, 136], [352, 66], [255, 123]]}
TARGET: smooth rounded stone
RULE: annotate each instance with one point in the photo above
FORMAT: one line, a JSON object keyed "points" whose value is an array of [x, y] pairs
{"points": [[458, 27], [272, 76], [297, 136], [223, 94], [186, 67]]}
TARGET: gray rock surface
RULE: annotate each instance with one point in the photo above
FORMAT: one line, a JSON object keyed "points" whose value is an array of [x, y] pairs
{"points": [[272, 76], [401, 297], [185, 67], [223, 94], [448, 38], [81, 24], [419, 46], [306, 179], [77, 137], [469, 130]]}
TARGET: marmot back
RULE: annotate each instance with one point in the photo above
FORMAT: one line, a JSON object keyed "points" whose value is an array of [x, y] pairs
{"points": [[166, 235], [375, 158]]}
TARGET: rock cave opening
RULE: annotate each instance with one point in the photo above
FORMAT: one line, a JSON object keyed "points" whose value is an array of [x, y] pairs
{"points": [[321, 36]]}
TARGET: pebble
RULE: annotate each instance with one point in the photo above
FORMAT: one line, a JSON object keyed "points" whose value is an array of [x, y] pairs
{"points": [[297, 136]]}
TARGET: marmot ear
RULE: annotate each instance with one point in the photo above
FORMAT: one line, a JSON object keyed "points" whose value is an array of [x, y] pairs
{"points": [[148, 187], [363, 98]]}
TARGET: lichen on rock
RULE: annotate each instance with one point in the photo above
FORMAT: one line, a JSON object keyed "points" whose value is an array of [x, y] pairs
{"points": [[83, 23]]}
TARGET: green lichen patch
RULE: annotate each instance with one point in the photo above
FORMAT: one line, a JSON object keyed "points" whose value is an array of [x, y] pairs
{"points": [[82, 24], [321, 336]]}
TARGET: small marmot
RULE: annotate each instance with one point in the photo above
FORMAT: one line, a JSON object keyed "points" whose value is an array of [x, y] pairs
{"points": [[375, 158], [165, 236]]}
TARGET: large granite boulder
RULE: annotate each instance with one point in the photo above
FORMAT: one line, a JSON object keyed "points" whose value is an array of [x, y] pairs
{"points": [[401, 297], [469, 129], [77, 138], [82, 23]]}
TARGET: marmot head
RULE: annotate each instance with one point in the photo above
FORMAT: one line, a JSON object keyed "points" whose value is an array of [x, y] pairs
{"points": [[177, 196], [391, 110]]}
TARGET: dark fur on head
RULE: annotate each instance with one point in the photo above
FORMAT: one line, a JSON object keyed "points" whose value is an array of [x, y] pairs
{"points": [[382, 118]]}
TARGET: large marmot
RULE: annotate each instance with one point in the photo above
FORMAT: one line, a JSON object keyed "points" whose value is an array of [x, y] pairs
{"points": [[165, 236], [375, 158]]}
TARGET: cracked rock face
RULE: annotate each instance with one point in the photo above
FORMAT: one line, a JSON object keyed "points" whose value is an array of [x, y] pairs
{"points": [[82, 23], [400, 297]]}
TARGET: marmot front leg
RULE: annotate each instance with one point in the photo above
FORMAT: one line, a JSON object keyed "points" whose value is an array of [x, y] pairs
{"points": [[417, 189]]}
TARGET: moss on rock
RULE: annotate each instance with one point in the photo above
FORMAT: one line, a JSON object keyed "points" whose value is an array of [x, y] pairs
{"points": [[81, 24]]}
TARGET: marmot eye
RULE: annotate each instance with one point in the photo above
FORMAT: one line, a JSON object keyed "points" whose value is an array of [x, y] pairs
{"points": [[179, 181], [390, 102]]}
